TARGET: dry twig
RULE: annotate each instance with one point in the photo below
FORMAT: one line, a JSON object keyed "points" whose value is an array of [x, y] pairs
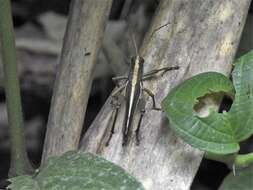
{"points": [[83, 39]]}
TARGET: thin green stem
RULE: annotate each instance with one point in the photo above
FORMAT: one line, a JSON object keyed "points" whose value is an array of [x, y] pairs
{"points": [[243, 160], [227, 159], [233, 160], [19, 159]]}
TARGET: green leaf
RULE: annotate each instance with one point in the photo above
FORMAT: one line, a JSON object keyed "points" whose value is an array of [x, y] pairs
{"points": [[218, 133], [241, 112], [24, 182], [243, 180], [78, 171], [212, 133]]}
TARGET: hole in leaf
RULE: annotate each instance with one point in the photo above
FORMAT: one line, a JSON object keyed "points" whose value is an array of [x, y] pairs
{"points": [[226, 104], [215, 101]]}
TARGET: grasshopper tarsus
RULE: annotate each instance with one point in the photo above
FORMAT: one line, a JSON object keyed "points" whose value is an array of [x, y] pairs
{"points": [[125, 140], [157, 109]]}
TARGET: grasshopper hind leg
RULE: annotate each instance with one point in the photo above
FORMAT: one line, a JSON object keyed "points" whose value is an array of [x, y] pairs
{"points": [[116, 105]]}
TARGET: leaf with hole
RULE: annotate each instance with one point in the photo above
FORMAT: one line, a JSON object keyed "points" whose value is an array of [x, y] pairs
{"points": [[214, 132]]}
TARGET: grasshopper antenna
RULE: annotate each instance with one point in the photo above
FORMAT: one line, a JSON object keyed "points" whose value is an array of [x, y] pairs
{"points": [[157, 29], [135, 45]]}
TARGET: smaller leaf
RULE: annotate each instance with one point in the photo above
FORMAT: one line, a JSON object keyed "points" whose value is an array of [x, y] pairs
{"points": [[24, 182], [243, 180], [78, 171]]}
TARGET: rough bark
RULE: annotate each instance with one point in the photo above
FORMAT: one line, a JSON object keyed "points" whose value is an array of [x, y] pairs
{"points": [[83, 39], [199, 36]]}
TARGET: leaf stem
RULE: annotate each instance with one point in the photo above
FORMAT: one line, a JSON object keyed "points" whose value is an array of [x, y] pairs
{"points": [[243, 160], [237, 160], [226, 159], [19, 159]]}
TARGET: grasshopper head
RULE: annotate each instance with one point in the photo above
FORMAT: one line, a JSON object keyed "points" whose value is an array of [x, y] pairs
{"points": [[137, 60]]}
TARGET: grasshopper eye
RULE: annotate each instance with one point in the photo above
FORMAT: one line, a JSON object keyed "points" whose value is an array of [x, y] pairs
{"points": [[141, 60], [133, 59]]}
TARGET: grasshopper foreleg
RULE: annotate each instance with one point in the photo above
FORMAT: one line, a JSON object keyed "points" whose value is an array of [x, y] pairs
{"points": [[118, 79]]}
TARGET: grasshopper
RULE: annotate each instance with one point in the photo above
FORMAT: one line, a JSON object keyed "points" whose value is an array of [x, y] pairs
{"points": [[134, 89]]}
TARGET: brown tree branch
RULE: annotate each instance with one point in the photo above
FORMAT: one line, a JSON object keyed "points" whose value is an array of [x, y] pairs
{"points": [[83, 39], [199, 36]]}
